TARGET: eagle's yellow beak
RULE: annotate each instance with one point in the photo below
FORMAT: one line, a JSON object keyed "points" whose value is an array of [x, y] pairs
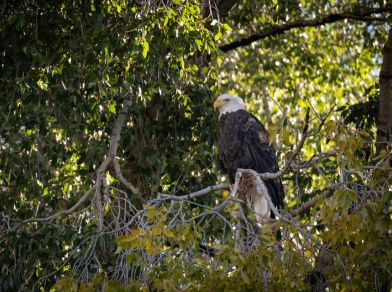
{"points": [[216, 104]]}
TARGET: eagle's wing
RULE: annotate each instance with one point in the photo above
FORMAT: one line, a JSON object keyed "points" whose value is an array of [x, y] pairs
{"points": [[261, 154], [243, 143]]}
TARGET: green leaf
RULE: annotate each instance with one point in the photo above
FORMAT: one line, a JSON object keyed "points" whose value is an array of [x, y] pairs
{"points": [[112, 107], [218, 36], [41, 84], [227, 27], [146, 48]]}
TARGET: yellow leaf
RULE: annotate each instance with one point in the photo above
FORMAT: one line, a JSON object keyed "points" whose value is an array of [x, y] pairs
{"points": [[383, 153], [218, 35], [134, 233], [199, 262], [169, 233], [86, 287], [156, 230], [329, 127], [364, 133], [273, 130], [148, 247], [64, 284], [219, 61], [286, 136], [342, 137], [349, 153], [352, 195], [41, 84], [227, 27], [151, 213], [225, 194], [118, 250], [125, 239], [146, 48], [245, 278], [151, 249]]}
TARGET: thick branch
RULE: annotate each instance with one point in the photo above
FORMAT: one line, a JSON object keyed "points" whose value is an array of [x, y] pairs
{"points": [[111, 155], [116, 132], [122, 179], [331, 18], [199, 193], [384, 118], [306, 206], [112, 151]]}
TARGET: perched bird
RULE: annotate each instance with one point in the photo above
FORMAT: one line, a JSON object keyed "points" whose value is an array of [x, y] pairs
{"points": [[243, 143]]}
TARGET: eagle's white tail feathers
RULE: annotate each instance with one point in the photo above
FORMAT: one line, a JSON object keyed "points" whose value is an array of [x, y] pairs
{"points": [[260, 206]]}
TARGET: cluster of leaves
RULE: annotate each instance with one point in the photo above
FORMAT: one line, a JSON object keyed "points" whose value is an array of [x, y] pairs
{"points": [[65, 69], [363, 114]]}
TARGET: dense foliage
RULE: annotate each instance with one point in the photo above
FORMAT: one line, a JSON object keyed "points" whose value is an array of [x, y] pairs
{"points": [[69, 67]]}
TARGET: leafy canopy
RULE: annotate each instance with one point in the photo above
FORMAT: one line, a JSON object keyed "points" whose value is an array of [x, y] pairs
{"points": [[68, 67]]}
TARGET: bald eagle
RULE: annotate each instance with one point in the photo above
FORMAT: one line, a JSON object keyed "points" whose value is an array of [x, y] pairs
{"points": [[243, 143]]}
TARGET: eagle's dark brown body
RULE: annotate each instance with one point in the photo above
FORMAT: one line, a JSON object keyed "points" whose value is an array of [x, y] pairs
{"points": [[243, 143]]}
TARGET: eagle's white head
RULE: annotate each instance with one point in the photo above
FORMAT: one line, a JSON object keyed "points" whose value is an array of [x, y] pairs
{"points": [[227, 103]]}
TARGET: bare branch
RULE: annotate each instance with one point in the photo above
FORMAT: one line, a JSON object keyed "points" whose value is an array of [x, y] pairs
{"points": [[64, 212], [123, 180], [115, 137], [114, 140], [199, 193], [331, 18], [306, 206], [112, 151]]}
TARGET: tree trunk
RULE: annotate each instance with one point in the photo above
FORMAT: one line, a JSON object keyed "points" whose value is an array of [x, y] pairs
{"points": [[384, 118]]}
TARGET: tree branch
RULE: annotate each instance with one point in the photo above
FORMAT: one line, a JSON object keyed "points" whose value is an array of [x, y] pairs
{"points": [[306, 206], [123, 180], [64, 212], [331, 18], [112, 151], [115, 137], [199, 193]]}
